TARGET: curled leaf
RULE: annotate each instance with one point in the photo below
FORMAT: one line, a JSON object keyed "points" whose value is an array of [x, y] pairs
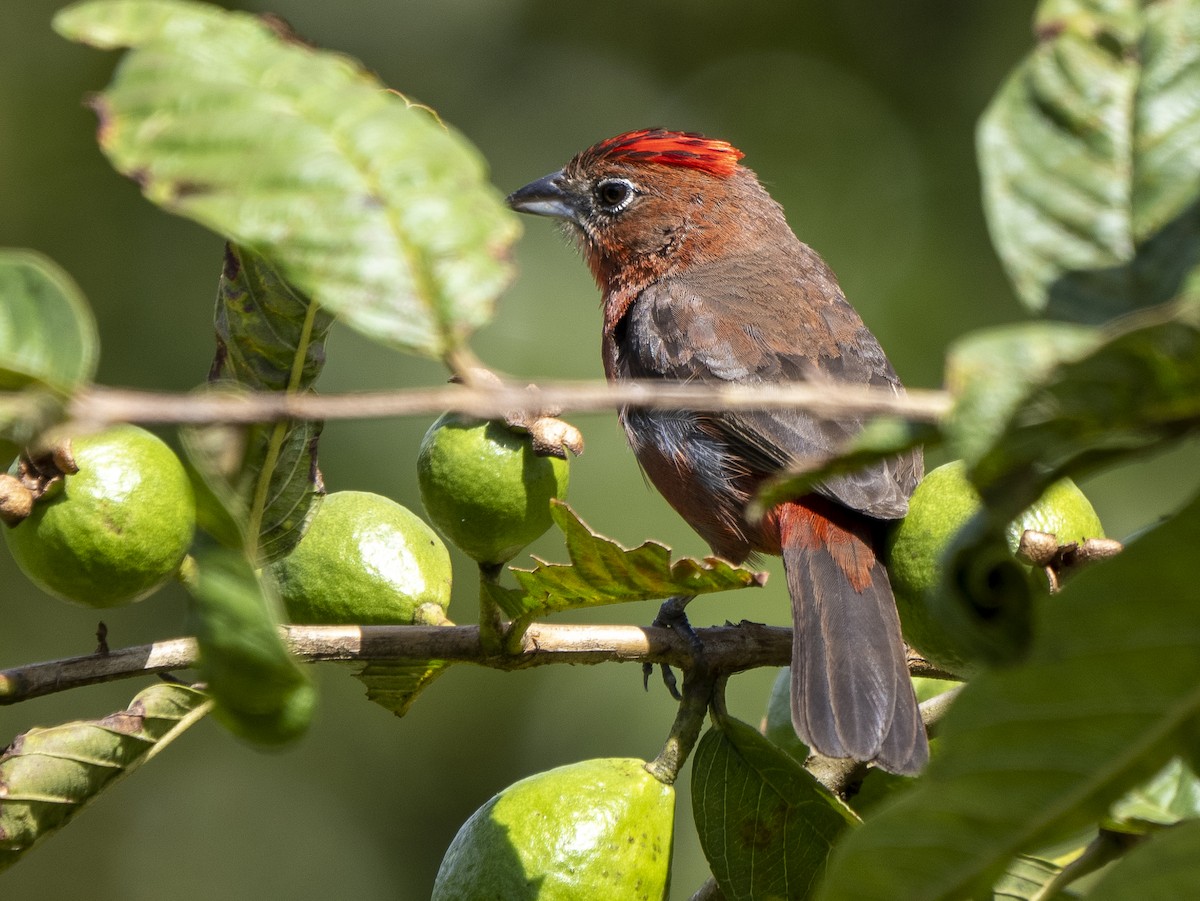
{"points": [[49, 774]]}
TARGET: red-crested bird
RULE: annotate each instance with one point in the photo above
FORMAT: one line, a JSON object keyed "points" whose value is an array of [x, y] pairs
{"points": [[703, 280]]}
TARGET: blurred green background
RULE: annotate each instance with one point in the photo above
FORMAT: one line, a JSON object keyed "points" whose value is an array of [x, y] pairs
{"points": [[858, 115]]}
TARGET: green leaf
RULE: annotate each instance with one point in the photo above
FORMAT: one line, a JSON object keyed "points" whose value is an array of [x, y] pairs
{"points": [[269, 338], [265, 477], [47, 333], [396, 685], [213, 515], [1107, 695], [989, 372], [286, 500], [49, 774], [1172, 795], [48, 345], [603, 572], [261, 693], [1090, 158], [1024, 878], [366, 202], [881, 438], [1164, 868], [217, 461], [1135, 389], [766, 825]]}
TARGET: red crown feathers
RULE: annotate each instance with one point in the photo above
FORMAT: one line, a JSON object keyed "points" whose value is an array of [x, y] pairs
{"points": [[672, 148]]}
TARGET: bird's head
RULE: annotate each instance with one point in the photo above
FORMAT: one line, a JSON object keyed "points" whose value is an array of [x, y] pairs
{"points": [[646, 202]]}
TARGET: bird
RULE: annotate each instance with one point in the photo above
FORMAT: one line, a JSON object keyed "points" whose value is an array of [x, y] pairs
{"points": [[704, 282]]}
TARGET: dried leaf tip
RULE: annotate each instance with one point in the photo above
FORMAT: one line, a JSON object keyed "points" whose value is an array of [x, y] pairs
{"points": [[671, 148]]}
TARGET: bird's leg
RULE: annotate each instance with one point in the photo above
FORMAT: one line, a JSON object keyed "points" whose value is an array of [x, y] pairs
{"points": [[673, 615]]}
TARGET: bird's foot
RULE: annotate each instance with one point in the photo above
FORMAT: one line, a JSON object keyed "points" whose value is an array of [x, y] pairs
{"points": [[673, 615]]}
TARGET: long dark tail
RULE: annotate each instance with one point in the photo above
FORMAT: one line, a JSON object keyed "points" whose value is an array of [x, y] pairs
{"points": [[851, 693]]}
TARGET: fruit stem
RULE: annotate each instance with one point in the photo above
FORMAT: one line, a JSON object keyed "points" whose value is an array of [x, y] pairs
{"points": [[16, 501], [700, 686], [467, 368], [493, 628]]}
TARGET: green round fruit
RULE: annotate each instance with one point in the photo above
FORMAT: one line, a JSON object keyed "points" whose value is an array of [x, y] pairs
{"points": [[592, 830], [364, 559], [484, 487], [114, 531], [942, 504], [1063, 510]]}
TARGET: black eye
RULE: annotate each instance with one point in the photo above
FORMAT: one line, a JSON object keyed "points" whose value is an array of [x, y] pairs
{"points": [[614, 194]]}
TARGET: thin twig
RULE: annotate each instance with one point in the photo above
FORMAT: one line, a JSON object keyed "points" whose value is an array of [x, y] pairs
{"points": [[919, 666], [699, 682], [102, 406], [933, 710], [728, 649]]}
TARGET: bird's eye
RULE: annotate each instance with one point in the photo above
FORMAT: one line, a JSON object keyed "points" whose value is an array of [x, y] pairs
{"points": [[614, 194]]}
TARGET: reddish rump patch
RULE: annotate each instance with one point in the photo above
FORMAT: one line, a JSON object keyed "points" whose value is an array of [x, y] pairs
{"points": [[672, 148], [801, 525]]}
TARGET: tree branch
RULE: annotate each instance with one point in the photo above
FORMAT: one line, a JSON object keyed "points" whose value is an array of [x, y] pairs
{"points": [[102, 406], [729, 649]]}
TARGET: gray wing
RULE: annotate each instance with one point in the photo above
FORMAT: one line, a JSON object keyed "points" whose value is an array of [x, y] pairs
{"points": [[804, 332]]}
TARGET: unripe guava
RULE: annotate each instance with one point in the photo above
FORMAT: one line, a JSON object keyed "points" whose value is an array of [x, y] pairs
{"points": [[116, 530], [592, 830], [484, 487], [942, 504], [364, 559]]}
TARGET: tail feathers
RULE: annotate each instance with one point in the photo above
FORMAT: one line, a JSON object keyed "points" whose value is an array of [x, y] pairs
{"points": [[851, 692]]}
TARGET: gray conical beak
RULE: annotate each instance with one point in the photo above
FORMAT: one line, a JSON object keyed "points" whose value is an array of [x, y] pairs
{"points": [[544, 197]]}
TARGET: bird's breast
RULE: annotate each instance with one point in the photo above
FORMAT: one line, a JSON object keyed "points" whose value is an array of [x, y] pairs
{"points": [[698, 476]]}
